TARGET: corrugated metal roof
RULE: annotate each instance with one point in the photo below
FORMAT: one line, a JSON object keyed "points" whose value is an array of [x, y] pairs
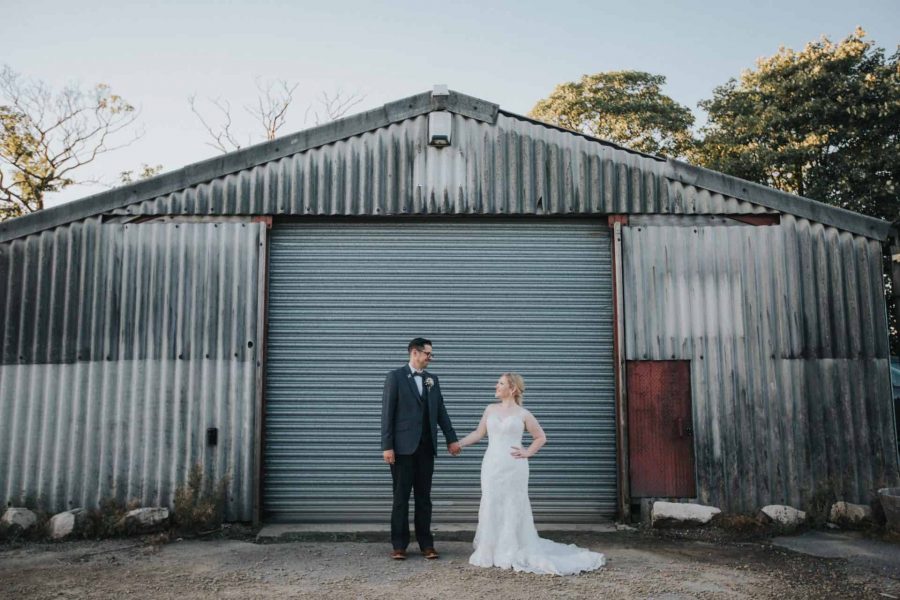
{"points": [[378, 163], [507, 168]]}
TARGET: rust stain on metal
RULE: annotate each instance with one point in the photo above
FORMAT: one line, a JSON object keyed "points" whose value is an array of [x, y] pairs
{"points": [[758, 220], [661, 448]]}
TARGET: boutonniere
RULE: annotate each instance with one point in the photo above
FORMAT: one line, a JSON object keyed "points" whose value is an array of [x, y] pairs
{"points": [[429, 382]]}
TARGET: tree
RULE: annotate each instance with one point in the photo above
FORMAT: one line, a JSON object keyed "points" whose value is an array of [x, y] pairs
{"points": [[333, 106], [820, 123], [269, 112], [626, 107], [146, 172], [47, 136]]}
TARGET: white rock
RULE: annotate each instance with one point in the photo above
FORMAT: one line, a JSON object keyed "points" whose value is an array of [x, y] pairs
{"points": [[787, 516], [681, 514], [847, 513], [144, 519], [20, 517], [66, 523]]}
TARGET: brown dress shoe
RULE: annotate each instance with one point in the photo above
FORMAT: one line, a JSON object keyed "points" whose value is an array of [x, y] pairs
{"points": [[430, 553], [398, 554]]}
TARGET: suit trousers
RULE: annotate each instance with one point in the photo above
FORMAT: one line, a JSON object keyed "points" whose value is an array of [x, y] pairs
{"points": [[412, 472]]}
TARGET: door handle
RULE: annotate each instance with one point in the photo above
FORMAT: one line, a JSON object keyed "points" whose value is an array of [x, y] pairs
{"points": [[682, 430]]}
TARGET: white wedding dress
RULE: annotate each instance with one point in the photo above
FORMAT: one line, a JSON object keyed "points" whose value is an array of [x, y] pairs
{"points": [[506, 536]]}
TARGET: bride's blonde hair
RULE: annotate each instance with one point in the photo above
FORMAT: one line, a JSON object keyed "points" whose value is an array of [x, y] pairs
{"points": [[518, 383]]}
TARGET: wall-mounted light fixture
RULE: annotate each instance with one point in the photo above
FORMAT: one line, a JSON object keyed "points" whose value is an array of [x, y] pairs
{"points": [[440, 128], [440, 123]]}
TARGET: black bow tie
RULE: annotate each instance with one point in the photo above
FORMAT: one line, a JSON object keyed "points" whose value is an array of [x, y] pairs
{"points": [[419, 373]]}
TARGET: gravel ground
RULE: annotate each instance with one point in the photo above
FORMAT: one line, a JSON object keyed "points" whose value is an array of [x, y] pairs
{"points": [[640, 565]]}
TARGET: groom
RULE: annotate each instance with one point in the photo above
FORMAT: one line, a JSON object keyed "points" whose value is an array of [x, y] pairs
{"points": [[411, 409]]}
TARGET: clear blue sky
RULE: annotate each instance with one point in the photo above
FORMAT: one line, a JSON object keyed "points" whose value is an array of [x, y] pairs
{"points": [[158, 53]]}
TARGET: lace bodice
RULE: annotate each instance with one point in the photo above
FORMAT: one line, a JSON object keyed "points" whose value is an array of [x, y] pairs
{"points": [[505, 430]]}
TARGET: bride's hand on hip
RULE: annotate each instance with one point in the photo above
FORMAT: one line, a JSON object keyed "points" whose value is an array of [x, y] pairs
{"points": [[518, 452]]}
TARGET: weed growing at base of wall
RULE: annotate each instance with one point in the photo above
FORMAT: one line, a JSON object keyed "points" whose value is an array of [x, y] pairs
{"points": [[200, 505]]}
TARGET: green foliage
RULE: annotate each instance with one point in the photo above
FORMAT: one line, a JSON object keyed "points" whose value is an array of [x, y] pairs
{"points": [[146, 172], [46, 136], [626, 107], [820, 122], [199, 505]]}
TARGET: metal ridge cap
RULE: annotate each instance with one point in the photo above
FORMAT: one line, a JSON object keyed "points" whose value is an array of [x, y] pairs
{"points": [[784, 202], [225, 164], [467, 106]]}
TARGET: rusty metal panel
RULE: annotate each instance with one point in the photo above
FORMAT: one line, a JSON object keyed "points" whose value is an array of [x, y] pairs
{"points": [[660, 429], [786, 330], [508, 168], [121, 344]]}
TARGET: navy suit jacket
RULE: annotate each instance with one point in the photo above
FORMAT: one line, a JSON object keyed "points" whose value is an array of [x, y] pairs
{"points": [[402, 408]]}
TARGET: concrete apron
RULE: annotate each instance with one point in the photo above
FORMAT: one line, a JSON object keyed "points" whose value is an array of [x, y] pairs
{"points": [[849, 545], [380, 532]]}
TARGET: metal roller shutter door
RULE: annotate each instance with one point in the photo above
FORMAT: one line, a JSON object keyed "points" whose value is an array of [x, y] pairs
{"points": [[345, 296]]}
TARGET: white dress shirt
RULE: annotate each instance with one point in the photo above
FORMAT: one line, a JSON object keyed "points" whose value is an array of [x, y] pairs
{"points": [[417, 377]]}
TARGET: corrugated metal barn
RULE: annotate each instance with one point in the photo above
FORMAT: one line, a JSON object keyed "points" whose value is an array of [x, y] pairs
{"points": [[683, 334]]}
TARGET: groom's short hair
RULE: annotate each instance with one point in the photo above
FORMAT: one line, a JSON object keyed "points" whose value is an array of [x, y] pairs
{"points": [[418, 344]]}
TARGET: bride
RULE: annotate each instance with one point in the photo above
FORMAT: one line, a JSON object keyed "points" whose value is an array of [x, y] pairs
{"points": [[506, 536]]}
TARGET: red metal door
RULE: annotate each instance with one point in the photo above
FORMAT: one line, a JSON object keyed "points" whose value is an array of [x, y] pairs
{"points": [[660, 429]]}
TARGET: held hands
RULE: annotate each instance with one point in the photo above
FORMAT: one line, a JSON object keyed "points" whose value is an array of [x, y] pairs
{"points": [[517, 452], [390, 458]]}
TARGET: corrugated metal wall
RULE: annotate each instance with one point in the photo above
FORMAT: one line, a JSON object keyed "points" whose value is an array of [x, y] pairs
{"points": [[786, 332], [513, 167], [121, 344], [529, 295]]}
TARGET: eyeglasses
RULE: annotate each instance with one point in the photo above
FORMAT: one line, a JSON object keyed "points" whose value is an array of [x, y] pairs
{"points": [[428, 354]]}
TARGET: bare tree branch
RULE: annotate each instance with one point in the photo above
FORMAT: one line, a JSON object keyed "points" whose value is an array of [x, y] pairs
{"points": [[45, 136], [271, 105], [333, 106], [274, 98], [223, 140]]}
